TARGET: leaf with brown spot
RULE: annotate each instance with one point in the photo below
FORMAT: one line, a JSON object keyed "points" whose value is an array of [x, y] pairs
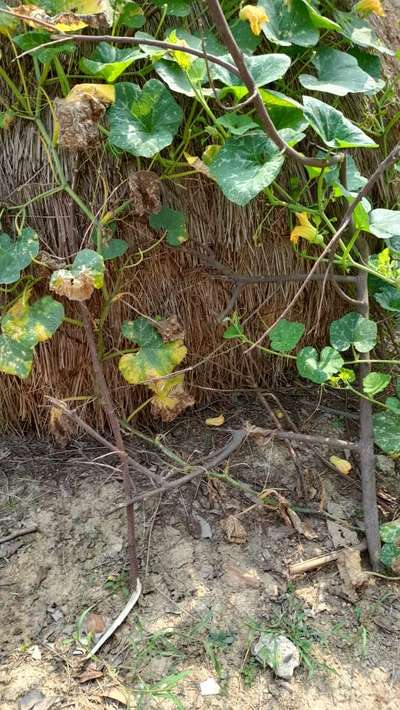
{"points": [[145, 190], [170, 329], [170, 398], [79, 113], [234, 530]]}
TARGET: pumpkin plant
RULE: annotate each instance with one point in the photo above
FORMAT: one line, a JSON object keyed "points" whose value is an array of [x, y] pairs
{"points": [[259, 88]]}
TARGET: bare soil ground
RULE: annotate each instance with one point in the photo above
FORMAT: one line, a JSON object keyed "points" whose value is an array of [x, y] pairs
{"points": [[204, 599]]}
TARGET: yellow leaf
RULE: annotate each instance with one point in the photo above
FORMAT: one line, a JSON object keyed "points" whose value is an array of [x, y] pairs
{"points": [[103, 92], [183, 59], [215, 421], [343, 466], [170, 398], [197, 164], [255, 16], [152, 362]]}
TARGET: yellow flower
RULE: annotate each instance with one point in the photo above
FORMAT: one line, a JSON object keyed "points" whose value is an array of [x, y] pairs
{"points": [[255, 16], [365, 7], [305, 229], [183, 59]]}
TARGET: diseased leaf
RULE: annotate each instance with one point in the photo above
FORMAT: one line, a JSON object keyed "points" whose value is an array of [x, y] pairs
{"points": [[318, 368], [285, 335], [32, 324], [145, 120], [335, 129], [155, 357], [245, 166], [173, 222], [79, 113], [353, 329], [375, 382], [170, 398], [339, 74], [16, 255], [79, 280], [15, 358], [109, 62]]}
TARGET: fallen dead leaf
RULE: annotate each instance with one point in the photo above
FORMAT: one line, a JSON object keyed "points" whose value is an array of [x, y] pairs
{"points": [[145, 190], [341, 535], [79, 113], [351, 572], [215, 421], [300, 526], [234, 530], [344, 467], [120, 694], [60, 426], [91, 673], [95, 624], [35, 652]]}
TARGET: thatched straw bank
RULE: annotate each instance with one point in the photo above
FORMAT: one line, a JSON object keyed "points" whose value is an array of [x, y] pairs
{"points": [[165, 282]]}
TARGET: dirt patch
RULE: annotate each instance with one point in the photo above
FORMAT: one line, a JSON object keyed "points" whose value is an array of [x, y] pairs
{"points": [[205, 599]]}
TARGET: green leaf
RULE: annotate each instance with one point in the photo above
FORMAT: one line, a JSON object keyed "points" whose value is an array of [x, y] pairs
{"points": [[285, 335], [15, 359], [316, 368], [289, 23], [173, 222], [264, 68], [78, 280], [30, 325], [245, 166], [284, 111], [29, 41], [384, 224], [353, 329], [182, 82], [247, 41], [387, 431], [176, 8], [114, 249], [143, 121], [109, 62], [370, 63], [131, 15], [375, 382], [393, 403], [7, 118], [8, 24], [360, 32], [155, 357], [335, 129], [387, 296], [236, 123], [390, 532], [389, 554], [17, 255], [234, 330], [339, 74]]}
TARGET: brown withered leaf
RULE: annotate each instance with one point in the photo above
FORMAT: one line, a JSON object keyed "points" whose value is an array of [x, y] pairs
{"points": [[76, 288], [95, 624], [170, 398], [121, 694], [91, 673], [170, 329], [145, 190], [79, 113], [234, 530], [351, 572], [60, 426]]}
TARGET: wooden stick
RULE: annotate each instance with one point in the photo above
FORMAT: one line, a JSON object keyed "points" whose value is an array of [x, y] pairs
{"points": [[314, 562], [19, 533]]}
